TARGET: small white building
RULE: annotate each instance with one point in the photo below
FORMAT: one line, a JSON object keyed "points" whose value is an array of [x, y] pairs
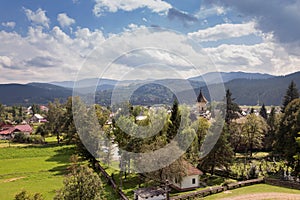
{"points": [[37, 118], [149, 194], [190, 180]]}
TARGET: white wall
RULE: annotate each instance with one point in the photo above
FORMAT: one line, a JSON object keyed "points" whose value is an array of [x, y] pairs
{"points": [[187, 182], [160, 197]]}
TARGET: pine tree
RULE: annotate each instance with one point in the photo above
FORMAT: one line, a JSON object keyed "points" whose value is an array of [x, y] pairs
{"points": [[291, 94], [175, 122], [263, 112], [286, 143], [232, 108]]}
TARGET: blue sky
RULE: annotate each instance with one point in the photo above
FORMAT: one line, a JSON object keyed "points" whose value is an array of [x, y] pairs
{"points": [[54, 40]]}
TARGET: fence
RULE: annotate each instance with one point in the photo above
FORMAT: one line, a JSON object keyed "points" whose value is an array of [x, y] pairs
{"points": [[217, 189], [110, 181], [283, 183]]}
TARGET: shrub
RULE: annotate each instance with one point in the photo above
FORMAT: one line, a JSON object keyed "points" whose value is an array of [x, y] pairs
{"points": [[24, 195]]}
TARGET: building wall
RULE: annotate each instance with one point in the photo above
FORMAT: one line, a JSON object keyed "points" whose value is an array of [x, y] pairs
{"points": [[187, 182], [160, 197]]}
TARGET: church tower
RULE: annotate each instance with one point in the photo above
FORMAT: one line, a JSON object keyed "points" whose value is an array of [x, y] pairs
{"points": [[201, 103]]}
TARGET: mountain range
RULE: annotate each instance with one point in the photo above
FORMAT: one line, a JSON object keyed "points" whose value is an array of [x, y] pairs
{"points": [[247, 89]]}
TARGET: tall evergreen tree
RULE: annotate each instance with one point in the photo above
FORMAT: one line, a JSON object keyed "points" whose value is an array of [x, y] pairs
{"points": [[288, 131], [273, 123], [263, 112], [232, 108], [175, 120], [291, 94]]}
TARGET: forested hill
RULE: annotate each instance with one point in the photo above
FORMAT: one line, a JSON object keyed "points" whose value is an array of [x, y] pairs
{"points": [[245, 91], [40, 93], [269, 91]]}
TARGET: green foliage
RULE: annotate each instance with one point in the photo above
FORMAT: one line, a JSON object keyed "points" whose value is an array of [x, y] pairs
{"points": [[291, 94], [263, 112], [175, 120], [81, 183], [254, 130], [24, 195], [289, 127], [221, 155], [232, 108], [23, 138]]}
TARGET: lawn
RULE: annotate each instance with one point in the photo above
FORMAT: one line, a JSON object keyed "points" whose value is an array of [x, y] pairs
{"points": [[258, 188], [34, 168]]}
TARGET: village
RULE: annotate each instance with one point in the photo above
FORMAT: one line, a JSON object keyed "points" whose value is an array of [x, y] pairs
{"points": [[245, 153]]}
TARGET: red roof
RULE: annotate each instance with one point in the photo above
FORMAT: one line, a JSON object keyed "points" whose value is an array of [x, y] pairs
{"points": [[19, 128], [191, 170]]}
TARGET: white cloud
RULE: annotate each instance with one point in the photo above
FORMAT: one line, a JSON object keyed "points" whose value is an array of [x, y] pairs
{"points": [[205, 12], [5, 61], [141, 53], [38, 17], [102, 6], [265, 57], [9, 24], [64, 20], [224, 31]]}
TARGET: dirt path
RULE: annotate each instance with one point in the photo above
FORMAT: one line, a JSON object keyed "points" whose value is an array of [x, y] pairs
{"points": [[12, 179], [264, 196]]}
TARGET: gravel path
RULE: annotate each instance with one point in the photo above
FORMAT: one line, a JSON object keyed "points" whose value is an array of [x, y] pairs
{"points": [[264, 196]]}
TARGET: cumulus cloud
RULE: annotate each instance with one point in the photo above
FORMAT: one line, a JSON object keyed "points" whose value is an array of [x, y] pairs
{"points": [[5, 61], [224, 31], [9, 24], [38, 17], [102, 6], [182, 16], [64, 20], [282, 18]]}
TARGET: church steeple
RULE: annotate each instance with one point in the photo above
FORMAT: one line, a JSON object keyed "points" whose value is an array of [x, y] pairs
{"points": [[201, 98]]}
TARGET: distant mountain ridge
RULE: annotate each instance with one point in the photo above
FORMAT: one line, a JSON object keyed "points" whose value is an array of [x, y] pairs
{"points": [[247, 89]]}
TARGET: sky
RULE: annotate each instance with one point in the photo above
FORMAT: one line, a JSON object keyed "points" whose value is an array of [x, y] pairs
{"points": [[54, 40]]}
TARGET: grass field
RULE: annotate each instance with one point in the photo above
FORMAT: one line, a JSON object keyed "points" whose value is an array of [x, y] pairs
{"points": [[259, 188], [34, 168]]}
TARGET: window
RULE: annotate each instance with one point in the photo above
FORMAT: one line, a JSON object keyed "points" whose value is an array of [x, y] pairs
{"points": [[193, 181]]}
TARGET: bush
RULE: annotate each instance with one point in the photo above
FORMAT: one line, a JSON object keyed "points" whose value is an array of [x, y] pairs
{"points": [[24, 195], [32, 139]]}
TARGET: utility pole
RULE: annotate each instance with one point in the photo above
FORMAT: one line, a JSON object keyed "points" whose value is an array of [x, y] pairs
{"points": [[167, 190]]}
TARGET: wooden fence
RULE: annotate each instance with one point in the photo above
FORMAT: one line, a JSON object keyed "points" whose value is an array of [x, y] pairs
{"points": [[217, 189], [110, 181]]}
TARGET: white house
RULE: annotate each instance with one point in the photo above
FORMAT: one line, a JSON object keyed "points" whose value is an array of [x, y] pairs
{"points": [[149, 194], [190, 180], [38, 118]]}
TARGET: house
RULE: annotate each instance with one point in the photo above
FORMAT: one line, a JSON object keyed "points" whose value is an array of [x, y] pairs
{"points": [[38, 118], [149, 194], [10, 132], [190, 180]]}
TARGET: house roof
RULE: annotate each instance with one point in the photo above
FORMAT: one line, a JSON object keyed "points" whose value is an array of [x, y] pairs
{"points": [[19, 128], [191, 170], [38, 116], [201, 98], [149, 192], [23, 128]]}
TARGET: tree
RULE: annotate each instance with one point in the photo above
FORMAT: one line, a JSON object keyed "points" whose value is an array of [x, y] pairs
{"points": [[254, 130], [55, 119], [273, 125], [263, 112], [81, 183], [221, 155], [289, 127], [175, 120], [232, 108], [291, 94]]}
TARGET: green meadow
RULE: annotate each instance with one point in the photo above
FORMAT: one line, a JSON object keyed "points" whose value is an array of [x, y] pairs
{"points": [[34, 168]]}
